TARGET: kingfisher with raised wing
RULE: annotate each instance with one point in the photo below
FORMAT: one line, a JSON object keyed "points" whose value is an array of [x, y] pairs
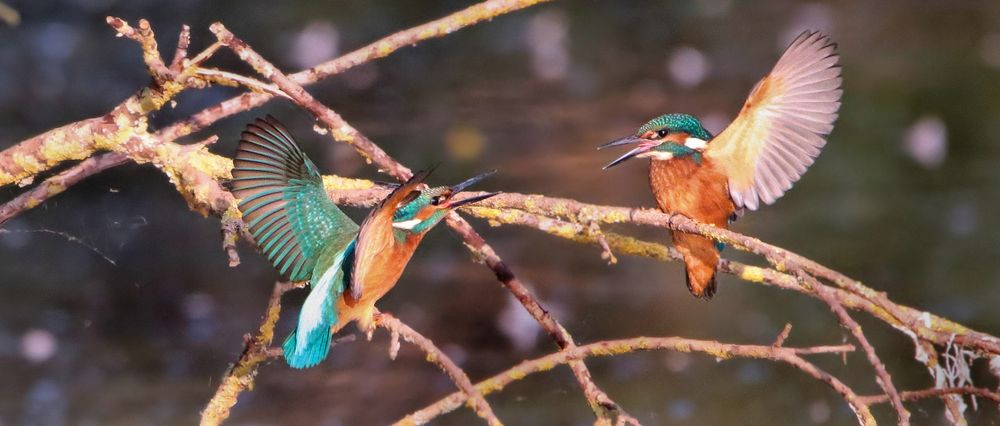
{"points": [[308, 238], [778, 133]]}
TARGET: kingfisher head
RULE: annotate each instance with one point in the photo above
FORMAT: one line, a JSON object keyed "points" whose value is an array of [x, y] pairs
{"points": [[665, 137], [418, 210]]}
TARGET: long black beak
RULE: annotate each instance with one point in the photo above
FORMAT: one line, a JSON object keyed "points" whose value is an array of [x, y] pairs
{"points": [[467, 183], [470, 200], [471, 181], [628, 140]]}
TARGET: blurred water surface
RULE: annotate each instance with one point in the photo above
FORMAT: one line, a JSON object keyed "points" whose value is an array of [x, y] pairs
{"points": [[901, 198]]}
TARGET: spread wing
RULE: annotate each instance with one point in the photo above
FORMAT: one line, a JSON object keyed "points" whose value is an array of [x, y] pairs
{"points": [[282, 199], [377, 232], [783, 124]]}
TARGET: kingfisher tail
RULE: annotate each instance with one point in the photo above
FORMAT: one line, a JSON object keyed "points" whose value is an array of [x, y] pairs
{"points": [[701, 258]]}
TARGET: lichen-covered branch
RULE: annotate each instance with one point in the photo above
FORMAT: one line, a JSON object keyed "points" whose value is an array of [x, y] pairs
{"points": [[606, 410], [57, 184], [242, 373], [882, 376], [472, 15], [792, 356], [197, 173], [436, 356]]}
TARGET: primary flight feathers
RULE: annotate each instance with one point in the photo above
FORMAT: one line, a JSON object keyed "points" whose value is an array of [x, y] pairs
{"points": [[783, 123], [282, 199]]}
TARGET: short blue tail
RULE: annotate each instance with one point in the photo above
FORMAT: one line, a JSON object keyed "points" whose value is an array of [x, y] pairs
{"points": [[314, 351]]}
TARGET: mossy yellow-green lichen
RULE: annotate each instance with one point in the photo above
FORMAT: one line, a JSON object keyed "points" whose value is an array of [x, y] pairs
{"points": [[339, 183], [152, 100], [216, 166], [28, 163], [61, 148], [752, 274], [546, 365], [490, 386], [615, 217], [384, 48]]}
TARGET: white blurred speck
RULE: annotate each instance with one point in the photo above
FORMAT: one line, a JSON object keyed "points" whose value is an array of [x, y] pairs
{"points": [[15, 240], [809, 16], [962, 219], [819, 411], [456, 352], [687, 66], [714, 8], [517, 324], [38, 345], [546, 40], [926, 141], [361, 77], [198, 306], [989, 50], [317, 42], [677, 362], [680, 409]]}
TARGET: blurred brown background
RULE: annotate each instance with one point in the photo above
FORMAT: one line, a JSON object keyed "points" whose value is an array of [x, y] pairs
{"points": [[901, 198]]}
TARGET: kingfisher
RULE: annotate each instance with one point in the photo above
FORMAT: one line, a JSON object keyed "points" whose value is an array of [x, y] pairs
{"points": [[778, 133], [306, 237]]}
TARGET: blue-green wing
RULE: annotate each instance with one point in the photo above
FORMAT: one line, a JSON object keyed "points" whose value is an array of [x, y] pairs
{"points": [[282, 199]]}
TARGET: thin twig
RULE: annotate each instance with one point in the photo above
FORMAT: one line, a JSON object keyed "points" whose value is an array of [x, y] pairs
{"points": [[934, 393], [603, 406], [439, 358], [623, 346], [57, 184], [472, 15], [232, 79], [151, 55], [241, 374], [181, 52], [882, 376]]}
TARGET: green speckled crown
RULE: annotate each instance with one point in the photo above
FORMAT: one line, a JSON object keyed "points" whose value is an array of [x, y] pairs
{"points": [[677, 123]]}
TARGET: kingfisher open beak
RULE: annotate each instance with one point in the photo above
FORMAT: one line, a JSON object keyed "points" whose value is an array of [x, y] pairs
{"points": [[467, 183], [628, 140], [470, 200]]}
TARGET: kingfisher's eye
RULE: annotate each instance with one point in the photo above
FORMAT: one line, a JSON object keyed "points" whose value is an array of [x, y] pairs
{"points": [[437, 200], [662, 132]]}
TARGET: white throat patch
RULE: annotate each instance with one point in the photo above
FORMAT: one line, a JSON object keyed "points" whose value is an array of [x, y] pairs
{"points": [[406, 224], [695, 144]]}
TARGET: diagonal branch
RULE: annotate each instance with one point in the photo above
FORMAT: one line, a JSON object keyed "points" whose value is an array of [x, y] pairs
{"points": [[792, 356], [55, 185], [241, 374], [472, 15], [882, 376], [439, 358], [604, 408]]}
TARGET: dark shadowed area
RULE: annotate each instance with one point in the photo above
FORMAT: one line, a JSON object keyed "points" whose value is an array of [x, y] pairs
{"points": [[117, 305]]}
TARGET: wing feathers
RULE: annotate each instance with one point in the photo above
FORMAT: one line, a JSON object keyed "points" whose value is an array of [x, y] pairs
{"points": [[282, 199], [783, 124]]}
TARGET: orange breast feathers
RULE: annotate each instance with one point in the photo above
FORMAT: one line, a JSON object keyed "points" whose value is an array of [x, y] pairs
{"points": [[380, 263], [698, 191]]}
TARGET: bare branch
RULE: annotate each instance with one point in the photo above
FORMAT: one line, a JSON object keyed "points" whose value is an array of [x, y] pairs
{"points": [[439, 358], [604, 408], [241, 374], [55, 185], [472, 15], [180, 54], [882, 376], [934, 393], [623, 346]]}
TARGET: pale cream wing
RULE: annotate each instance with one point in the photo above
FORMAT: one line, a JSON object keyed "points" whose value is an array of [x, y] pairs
{"points": [[783, 124]]}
